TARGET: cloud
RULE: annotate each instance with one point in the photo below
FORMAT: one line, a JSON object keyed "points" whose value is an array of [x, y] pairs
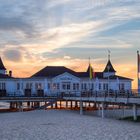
{"points": [[67, 57], [13, 55], [67, 32], [14, 24]]}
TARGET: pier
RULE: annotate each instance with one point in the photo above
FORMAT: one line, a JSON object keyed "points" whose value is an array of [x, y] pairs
{"points": [[100, 101]]}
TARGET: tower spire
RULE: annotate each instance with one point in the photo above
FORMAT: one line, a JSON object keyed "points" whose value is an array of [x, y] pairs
{"points": [[109, 53], [89, 60], [90, 70], [2, 67]]}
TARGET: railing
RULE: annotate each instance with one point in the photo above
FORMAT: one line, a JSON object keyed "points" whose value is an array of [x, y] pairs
{"points": [[87, 93], [113, 94]]}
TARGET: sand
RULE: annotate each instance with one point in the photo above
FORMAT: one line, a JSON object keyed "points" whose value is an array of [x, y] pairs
{"points": [[64, 125]]}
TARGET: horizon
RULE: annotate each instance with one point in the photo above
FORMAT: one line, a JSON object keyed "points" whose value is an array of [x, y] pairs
{"points": [[35, 34]]}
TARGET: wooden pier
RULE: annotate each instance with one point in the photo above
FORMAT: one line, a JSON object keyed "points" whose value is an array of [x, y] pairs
{"points": [[131, 101], [101, 99]]}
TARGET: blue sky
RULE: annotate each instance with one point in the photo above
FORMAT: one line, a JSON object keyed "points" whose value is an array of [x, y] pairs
{"points": [[37, 33]]}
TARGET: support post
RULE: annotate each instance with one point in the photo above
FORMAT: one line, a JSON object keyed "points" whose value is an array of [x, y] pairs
{"points": [[123, 108], [71, 104], [51, 104], [45, 106], [11, 105], [60, 103], [102, 110], [89, 104], [20, 106], [56, 104], [28, 104], [76, 104], [98, 106], [66, 104], [81, 108], [134, 112]]}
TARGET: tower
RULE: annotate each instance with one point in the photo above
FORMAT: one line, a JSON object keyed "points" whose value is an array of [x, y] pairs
{"points": [[109, 70], [90, 71], [2, 67]]}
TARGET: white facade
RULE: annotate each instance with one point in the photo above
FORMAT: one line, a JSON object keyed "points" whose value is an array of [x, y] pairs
{"points": [[66, 82], [61, 83]]}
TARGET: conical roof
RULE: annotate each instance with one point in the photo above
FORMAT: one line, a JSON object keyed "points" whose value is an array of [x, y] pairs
{"points": [[88, 69], [2, 67], [109, 67]]}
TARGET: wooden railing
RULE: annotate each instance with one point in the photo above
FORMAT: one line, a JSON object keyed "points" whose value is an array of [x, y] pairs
{"points": [[111, 93]]}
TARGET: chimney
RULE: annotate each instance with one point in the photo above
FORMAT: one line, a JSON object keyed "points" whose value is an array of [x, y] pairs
{"points": [[10, 73]]}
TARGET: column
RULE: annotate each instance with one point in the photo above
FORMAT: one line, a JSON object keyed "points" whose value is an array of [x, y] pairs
{"points": [[20, 106], [28, 104], [60, 103], [76, 105], [81, 108], [123, 109], [102, 110], [71, 104], [66, 104], [134, 112], [56, 104]]}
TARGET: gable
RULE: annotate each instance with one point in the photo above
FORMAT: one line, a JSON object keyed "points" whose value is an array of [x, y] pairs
{"points": [[66, 77]]}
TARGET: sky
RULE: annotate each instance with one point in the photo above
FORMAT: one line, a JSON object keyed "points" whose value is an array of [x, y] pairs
{"points": [[38, 33]]}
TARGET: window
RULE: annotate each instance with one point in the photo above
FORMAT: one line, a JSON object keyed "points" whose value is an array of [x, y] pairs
{"points": [[37, 86], [75, 86], [64, 86], [85, 86], [18, 86], [54, 86], [82, 86], [49, 86], [92, 86], [121, 86], [29, 85], [2, 86], [58, 86], [100, 86], [68, 86], [105, 86]]}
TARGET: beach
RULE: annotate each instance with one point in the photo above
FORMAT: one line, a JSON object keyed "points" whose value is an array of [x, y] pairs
{"points": [[64, 125]]}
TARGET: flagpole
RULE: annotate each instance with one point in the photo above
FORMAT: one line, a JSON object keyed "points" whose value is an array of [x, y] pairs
{"points": [[108, 72], [109, 54], [138, 69]]}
